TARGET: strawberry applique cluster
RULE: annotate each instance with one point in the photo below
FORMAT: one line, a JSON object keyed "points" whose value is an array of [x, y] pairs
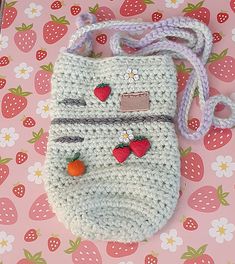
{"points": [[138, 145]]}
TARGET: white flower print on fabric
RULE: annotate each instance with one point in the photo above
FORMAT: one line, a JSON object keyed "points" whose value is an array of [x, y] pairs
{"points": [[173, 3], [43, 108], [33, 10], [221, 230], [6, 242], [35, 173], [3, 42], [23, 71], [131, 75], [170, 240], [223, 167], [8, 137]]}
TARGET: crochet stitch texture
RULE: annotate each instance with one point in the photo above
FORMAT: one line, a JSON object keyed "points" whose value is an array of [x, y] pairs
{"points": [[129, 201], [111, 201]]}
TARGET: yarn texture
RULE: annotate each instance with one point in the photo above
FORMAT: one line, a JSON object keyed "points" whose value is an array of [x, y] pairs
{"points": [[125, 194], [112, 201]]}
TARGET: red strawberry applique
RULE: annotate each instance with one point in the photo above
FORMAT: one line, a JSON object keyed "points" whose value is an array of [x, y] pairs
{"points": [[134, 7], [55, 29], [193, 256], [139, 146], [121, 152], [192, 167], [9, 14], [216, 138], [102, 13], [14, 102], [222, 66], [25, 37], [102, 91], [198, 12]]}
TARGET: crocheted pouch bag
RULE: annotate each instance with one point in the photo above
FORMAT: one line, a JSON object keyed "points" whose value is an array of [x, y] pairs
{"points": [[113, 164]]}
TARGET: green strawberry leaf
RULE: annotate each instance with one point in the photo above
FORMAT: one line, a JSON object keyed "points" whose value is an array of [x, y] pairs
{"points": [[69, 251], [94, 9], [5, 161], [60, 20], [215, 57], [36, 136], [148, 2], [221, 196], [24, 27], [192, 7], [18, 91], [27, 254], [47, 67], [37, 256], [201, 250], [190, 254], [8, 5], [185, 152], [102, 85], [198, 5], [182, 68], [73, 245], [121, 145]]}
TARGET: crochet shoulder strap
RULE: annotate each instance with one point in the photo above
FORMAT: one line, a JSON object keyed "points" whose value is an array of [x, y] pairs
{"points": [[196, 49]]}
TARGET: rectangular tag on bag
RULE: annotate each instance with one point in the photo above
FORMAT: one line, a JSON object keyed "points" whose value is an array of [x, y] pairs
{"points": [[134, 102]]}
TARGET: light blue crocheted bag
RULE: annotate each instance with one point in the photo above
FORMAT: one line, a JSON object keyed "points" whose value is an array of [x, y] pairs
{"points": [[117, 113]]}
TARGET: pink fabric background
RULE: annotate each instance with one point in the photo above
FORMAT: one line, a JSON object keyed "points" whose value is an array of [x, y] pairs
{"points": [[221, 253]]}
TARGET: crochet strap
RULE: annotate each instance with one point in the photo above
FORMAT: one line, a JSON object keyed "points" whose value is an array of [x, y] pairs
{"points": [[196, 50]]}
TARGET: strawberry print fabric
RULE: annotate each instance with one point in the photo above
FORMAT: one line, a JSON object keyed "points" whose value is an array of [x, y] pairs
{"points": [[202, 229]]}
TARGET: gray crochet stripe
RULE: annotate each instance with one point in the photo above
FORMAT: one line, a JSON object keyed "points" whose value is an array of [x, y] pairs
{"points": [[112, 120], [70, 101], [66, 139]]}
